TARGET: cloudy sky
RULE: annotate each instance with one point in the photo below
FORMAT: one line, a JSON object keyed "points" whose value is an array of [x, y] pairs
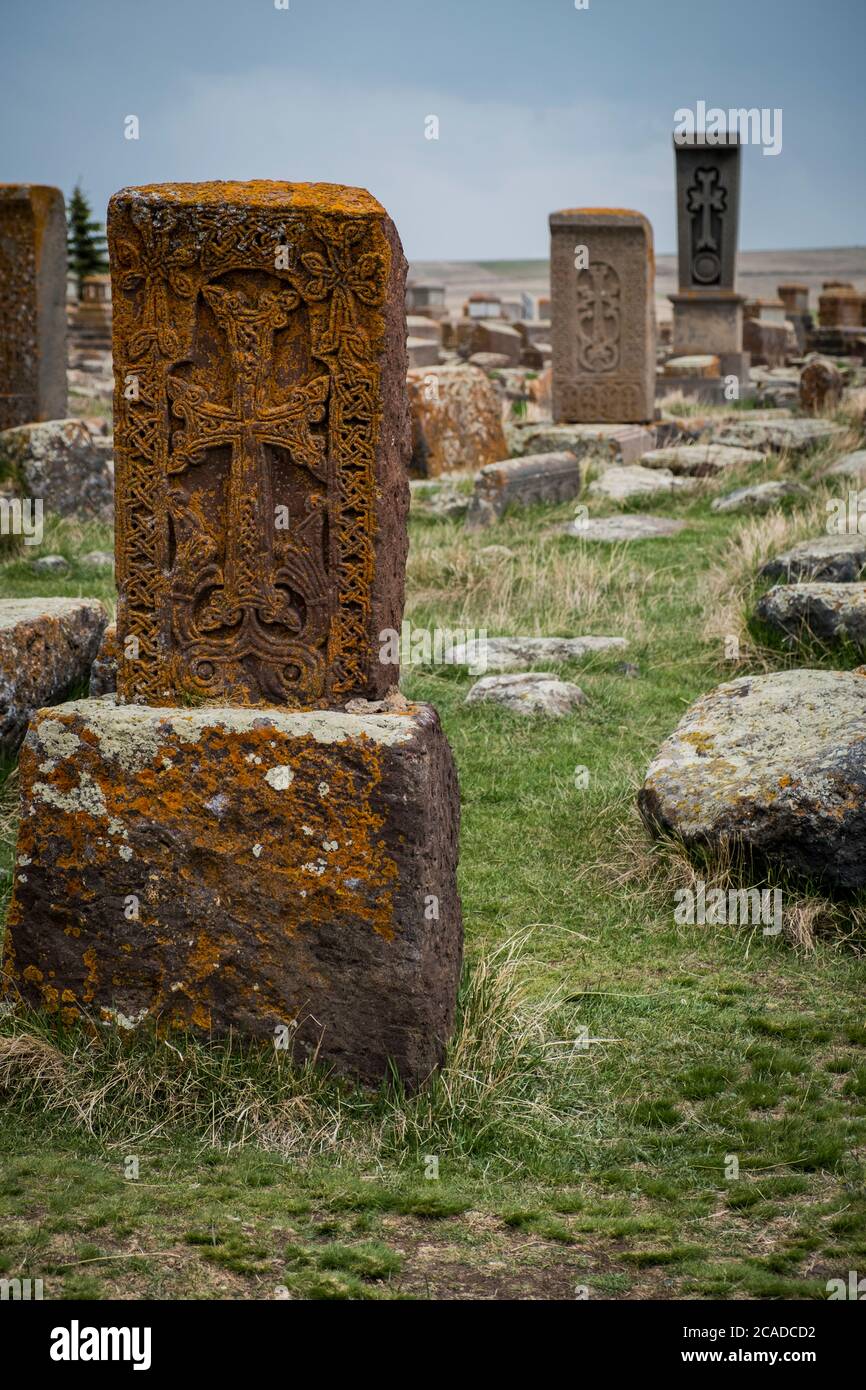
{"points": [[539, 104]]}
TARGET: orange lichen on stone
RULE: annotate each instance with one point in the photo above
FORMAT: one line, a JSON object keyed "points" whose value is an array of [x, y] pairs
{"points": [[277, 864]]}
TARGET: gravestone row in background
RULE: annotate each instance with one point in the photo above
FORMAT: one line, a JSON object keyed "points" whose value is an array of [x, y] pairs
{"points": [[32, 304], [252, 837]]}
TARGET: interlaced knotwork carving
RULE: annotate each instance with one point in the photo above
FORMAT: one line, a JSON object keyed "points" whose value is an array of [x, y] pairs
{"points": [[247, 420]]}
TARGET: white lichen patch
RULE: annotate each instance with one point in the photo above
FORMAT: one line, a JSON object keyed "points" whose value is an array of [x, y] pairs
{"points": [[323, 789], [87, 796], [257, 850], [330, 845], [125, 852], [127, 1021], [279, 777]]}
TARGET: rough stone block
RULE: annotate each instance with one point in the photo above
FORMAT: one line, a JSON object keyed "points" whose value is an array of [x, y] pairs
{"points": [[261, 441], [63, 463], [46, 649], [603, 320], [456, 421], [250, 869], [32, 304]]}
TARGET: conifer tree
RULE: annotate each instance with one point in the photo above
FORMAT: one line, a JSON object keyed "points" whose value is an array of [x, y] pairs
{"points": [[85, 242]]}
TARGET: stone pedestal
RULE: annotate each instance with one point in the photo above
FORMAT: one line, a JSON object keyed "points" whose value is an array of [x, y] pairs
{"points": [[261, 870], [603, 318], [32, 304]]}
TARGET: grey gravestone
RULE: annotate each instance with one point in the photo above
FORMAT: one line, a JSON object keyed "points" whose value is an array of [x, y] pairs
{"points": [[603, 322]]}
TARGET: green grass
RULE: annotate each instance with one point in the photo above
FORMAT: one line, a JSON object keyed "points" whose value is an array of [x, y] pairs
{"points": [[712, 1049]]}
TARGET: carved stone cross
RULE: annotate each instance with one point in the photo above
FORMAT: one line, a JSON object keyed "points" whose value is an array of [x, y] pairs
{"points": [[705, 197]]}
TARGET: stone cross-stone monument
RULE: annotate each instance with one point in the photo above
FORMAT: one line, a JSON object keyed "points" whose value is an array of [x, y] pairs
{"points": [[32, 304], [708, 312], [257, 833], [603, 319]]}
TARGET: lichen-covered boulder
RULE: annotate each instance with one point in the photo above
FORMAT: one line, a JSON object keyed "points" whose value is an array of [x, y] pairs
{"points": [[456, 420], [760, 497], [773, 765], [699, 460], [47, 646], [530, 692], [620, 484], [828, 613], [835, 558], [510, 653], [66, 465], [290, 875]]}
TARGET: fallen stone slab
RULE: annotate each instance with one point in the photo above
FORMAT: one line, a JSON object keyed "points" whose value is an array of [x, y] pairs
{"points": [[693, 365], [550, 478], [268, 871], [620, 484], [614, 443], [64, 464], [796, 436], [510, 653], [631, 526], [774, 765], [829, 613], [47, 646], [851, 465], [760, 497], [699, 460], [422, 352], [530, 692], [834, 558]]}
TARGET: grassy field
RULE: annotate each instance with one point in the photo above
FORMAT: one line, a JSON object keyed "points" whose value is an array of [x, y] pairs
{"points": [[611, 1069]]}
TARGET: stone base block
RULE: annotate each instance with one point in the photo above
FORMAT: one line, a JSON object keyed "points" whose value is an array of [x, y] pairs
{"points": [[707, 323], [289, 875]]}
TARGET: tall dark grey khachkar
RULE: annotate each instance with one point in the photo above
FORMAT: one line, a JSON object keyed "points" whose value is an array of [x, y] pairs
{"points": [[708, 312], [259, 834]]}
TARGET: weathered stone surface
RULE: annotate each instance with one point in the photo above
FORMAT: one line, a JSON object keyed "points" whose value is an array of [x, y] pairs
{"points": [[65, 464], [835, 558], [500, 338], [489, 361], [828, 612], [456, 420], [699, 460], [614, 443], [821, 386], [421, 352], [603, 321], [32, 304], [103, 672], [530, 692], [708, 197], [774, 765], [510, 653], [223, 868], [630, 526], [699, 364], [760, 497], [551, 478], [851, 465], [797, 436], [770, 343], [261, 441], [619, 484], [46, 649]]}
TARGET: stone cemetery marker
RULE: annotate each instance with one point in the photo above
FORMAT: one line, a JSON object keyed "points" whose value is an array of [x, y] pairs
{"points": [[708, 312], [603, 334], [32, 304], [285, 870], [261, 497]]}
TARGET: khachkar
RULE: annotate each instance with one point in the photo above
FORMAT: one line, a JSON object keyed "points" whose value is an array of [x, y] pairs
{"points": [[708, 312], [32, 304], [256, 834], [603, 321]]}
